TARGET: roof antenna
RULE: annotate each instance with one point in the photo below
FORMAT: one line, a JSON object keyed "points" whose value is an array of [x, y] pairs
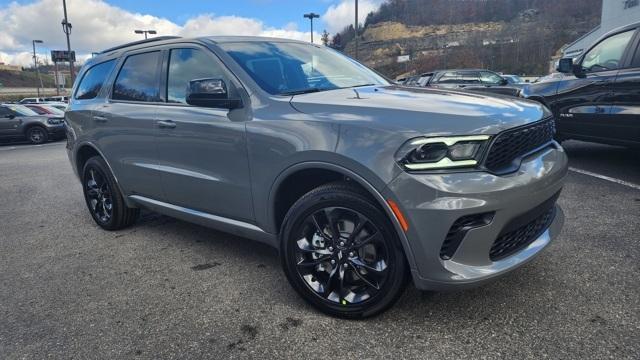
{"points": [[357, 94]]}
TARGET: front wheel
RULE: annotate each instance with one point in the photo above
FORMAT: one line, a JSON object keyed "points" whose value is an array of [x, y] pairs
{"points": [[341, 253], [37, 135]]}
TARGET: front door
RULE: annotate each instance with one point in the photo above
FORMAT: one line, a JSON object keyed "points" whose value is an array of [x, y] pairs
{"points": [[202, 151], [584, 103], [625, 111], [9, 122]]}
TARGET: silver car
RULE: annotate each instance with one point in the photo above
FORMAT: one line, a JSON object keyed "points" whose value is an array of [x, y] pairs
{"points": [[362, 185]]}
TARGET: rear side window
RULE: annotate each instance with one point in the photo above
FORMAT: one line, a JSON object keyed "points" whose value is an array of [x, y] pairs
{"points": [[93, 80], [138, 79]]}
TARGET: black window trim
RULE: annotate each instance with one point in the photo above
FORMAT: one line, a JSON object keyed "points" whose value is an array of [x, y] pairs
{"points": [[124, 58], [624, 60], [104, 83]]}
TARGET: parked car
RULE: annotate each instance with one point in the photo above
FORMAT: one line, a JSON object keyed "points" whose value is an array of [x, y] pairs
{"points": [[361, 184], [598, 99], [62, 99], [514, 80], [32, 100], [19, 122], [45, 109], [477, 80]]}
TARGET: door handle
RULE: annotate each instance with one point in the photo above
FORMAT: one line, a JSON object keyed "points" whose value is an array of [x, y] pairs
{"points": [[100, 118], [166, 124]]}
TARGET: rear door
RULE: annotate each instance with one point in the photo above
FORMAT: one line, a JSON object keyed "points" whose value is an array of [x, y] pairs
{"points": [[125, 127], [625, 111], [584, 103], [202, 151]]}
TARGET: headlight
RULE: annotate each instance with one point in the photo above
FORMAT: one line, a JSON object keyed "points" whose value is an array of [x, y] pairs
{"points": [[442, 152]]}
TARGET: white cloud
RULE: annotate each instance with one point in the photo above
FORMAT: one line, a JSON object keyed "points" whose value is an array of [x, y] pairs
{"points": [[338, 16], [98, 25]]}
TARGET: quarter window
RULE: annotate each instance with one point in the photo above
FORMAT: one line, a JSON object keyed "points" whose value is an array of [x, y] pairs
{"points": [[191, 64], [138, 79], [93, 80], [607, 55]]}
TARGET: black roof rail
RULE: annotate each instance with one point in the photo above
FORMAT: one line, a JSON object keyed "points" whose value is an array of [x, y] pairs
{"points": [[157, 38]]}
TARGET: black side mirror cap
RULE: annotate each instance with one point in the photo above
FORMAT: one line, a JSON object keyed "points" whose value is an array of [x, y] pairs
{"points": [[210, 93], [565, 65]]}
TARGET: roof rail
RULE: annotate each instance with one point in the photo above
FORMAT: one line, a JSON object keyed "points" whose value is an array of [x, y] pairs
{"points": [[157, 38]]}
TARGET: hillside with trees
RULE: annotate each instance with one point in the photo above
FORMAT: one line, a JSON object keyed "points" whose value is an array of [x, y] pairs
{"points": [[513, 36]]}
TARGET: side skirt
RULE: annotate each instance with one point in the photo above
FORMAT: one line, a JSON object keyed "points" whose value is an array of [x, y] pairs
{"points": [[231, 226]]}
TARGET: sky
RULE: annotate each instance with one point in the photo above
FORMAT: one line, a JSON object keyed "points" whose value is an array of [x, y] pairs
{"points": [[99, 24]]}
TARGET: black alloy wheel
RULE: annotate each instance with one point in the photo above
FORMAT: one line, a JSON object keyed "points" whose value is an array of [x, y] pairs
{"points": [[103, 197], [37, 135], [341, 253]]}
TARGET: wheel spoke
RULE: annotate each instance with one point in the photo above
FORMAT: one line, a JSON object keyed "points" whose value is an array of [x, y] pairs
{"points": [[362, 221], [309, 266], [333, 224], [368, 240], [305, 247], [363, 278], [379, 268]]}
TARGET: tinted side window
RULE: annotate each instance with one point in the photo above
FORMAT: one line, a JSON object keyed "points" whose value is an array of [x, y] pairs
{"points": [[469, 77], [607, 55], [93, 80], [138, 79], [191, 64], [490, 78], [448, 77], [4, 112]]}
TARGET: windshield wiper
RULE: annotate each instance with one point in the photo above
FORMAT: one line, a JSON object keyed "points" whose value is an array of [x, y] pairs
{"points": [[355, 86], [299, 92]]}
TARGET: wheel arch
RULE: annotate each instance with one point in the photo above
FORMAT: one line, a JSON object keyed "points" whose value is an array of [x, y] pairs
{"points": [[278, 206]]}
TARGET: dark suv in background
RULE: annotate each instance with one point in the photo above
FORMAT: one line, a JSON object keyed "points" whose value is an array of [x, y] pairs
{"points": [[599, 98]]}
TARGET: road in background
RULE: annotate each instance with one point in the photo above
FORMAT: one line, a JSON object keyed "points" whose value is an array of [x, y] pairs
{"points": [[169, 289]]}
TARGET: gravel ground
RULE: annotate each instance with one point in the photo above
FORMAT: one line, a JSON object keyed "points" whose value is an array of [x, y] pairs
{"points": [[169, 289]]}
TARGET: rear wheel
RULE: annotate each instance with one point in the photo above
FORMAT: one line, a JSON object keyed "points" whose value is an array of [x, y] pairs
{"points": [[103, 198], [37, 135], [341, 253]]}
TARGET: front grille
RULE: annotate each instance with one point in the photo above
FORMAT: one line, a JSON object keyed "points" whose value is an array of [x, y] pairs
{"points": [[459, 229], [509, 147], [514, 240]]}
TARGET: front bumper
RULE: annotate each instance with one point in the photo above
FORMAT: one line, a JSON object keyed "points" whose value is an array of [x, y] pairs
{"points": [[433, 202]]}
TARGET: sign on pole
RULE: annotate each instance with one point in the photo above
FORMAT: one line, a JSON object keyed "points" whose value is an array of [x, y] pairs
{"points": [[63, 55]]}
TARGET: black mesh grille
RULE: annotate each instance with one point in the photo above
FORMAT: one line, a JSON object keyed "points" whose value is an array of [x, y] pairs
{"points": [[513, 144], [519, 238], [459, 230]]}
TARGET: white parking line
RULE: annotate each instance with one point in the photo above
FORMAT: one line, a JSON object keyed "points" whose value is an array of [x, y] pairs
{"points": [[30, 146], [607, 178]]}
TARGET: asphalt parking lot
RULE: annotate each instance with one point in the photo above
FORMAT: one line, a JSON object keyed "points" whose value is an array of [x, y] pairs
{"points": [[169, 289]]}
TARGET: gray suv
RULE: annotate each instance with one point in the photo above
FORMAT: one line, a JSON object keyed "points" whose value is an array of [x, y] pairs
{"points": [[19, 122], [360, 184]]}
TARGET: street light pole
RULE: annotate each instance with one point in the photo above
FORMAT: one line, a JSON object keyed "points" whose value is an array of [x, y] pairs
{"points": [[66, 28], [35, 63], [356, 28], [145, 32], [311, 16]]}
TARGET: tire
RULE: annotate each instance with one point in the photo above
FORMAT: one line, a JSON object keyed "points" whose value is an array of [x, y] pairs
{"points": [[37, 135], [360, 273], [103, 197]]}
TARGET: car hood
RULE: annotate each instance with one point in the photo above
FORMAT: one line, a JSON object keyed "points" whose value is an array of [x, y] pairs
{"points": [[425, 111]]}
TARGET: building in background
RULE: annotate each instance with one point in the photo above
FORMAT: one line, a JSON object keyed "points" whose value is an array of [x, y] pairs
{"points": [[7, 67], [615, 14]]}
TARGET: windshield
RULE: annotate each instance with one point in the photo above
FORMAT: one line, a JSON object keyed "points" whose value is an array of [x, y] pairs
{"points": [[22, 110], [285, 68]]}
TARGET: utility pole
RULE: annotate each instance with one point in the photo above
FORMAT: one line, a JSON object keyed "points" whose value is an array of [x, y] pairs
{"points": [[66, 28], [356, 28], [311, 16], [35, 63], [145, 32]]}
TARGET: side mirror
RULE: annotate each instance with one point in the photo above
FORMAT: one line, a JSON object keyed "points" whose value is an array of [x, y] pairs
{"points": [[9, 116], [565, 65], [210, 93], [504, 82]]}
